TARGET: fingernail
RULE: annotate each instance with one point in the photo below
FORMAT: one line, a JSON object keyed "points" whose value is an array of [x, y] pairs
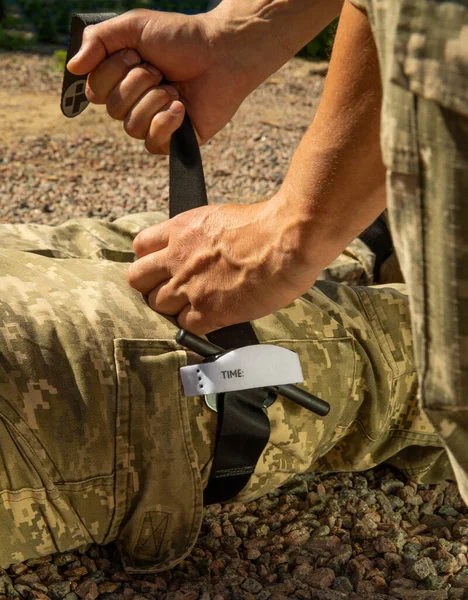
{"points": [[76, 57], [172, 91], [156, 72], [176, 108], [131, 58]]}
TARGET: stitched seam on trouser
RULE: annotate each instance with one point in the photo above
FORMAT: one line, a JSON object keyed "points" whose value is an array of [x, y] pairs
{"points": [[378, 331]]}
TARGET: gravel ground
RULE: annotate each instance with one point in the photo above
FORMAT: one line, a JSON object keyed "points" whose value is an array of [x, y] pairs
{"points": [[372, 535]]}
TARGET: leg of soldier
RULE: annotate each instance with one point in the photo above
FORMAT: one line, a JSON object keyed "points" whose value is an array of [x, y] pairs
{"points": [[368, 260], [424, 60], [97, 441]]}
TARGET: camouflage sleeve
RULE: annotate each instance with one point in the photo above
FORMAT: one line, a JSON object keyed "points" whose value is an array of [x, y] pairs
{"points": [[361, 4]]}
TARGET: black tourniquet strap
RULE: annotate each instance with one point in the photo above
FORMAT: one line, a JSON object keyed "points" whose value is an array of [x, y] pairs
{"points": [[378, 238], [243, 426]]}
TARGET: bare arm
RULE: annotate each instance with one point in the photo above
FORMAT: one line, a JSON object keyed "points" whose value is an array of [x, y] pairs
{"points": [[220, 265], [337, 178], [214, 61]]}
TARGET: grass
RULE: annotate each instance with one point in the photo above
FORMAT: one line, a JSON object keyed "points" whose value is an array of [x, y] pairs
{"points": [[15, 41]]}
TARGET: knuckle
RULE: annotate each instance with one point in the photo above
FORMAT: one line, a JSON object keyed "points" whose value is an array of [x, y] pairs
{"points": [[127, 57], [163, 295], [114, 110], [88, 32], [132, 276], [92, 92], [151, 145], [197, 323], [138, 12], [138, 244], [132, 128]]}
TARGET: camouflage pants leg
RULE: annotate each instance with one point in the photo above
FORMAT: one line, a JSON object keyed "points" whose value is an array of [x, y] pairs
{"points": [[423, 53], [97, 441]]}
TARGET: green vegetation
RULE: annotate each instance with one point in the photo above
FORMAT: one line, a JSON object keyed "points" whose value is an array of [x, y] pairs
{"points": [[48, 21], [14, 41], [321, 46], [60, 58]]}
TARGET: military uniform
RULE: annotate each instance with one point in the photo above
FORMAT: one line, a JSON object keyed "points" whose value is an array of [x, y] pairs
{"points": [[423, 55], [98, 442]]}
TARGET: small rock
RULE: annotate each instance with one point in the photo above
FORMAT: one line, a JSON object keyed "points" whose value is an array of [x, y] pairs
{"points": [[89, 563], [88, 590], [35, 595], [48, 573], [384, 502], [6, 586], [18, 569], [405, 594], [253, 553], [341, 556], [459, 548], [412, 550], [434, 582], [23, 590], [145, 587], [421, 569], [434, 522], [216, 530], [59, 590], [320, 578], [343, 584], [383, 544], [391, 486], [460, 529], [393, 560], [64, 558], [461, 578], [252, 586], [322, 531], [33, 563], [456, 593], [402, 582], [313, 499], [448, 511], [75, 574], [39, 587]]}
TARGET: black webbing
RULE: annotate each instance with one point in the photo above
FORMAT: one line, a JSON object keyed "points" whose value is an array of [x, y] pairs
{"points": [[243, 427], [378, 238]]}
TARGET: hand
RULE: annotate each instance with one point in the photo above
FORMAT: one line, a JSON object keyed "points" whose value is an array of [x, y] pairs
{"points": [[219, 265], [184, 49], [212, 60]]}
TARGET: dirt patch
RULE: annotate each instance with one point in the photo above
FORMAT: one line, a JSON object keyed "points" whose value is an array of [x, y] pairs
{"points": [[53, 168], [35, 114]]}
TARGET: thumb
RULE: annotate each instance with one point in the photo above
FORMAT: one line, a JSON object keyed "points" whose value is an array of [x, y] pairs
{"points": [[102, 40]]}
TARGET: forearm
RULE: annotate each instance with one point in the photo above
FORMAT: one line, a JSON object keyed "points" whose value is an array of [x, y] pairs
{"points": [[262, 35], [336, 180]]}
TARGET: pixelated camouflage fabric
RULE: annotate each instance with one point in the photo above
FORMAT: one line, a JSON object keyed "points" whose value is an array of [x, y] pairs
{"points": [[98, 442], [423, 54]]}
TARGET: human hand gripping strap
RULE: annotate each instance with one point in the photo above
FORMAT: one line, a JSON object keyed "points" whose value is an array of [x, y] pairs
{"points": [[243, 427]]}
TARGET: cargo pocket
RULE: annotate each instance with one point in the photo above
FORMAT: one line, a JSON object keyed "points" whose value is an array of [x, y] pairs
{"points": [[159, 500]]}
